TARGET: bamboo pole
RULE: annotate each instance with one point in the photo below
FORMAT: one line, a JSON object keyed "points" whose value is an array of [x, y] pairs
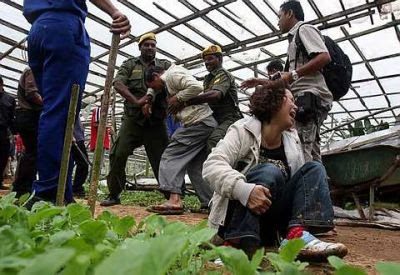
{"points": [[98, 153], [69, 131], [113, 119]]}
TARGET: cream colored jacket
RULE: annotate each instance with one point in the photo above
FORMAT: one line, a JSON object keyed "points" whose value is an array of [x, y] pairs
{"points": [[240, 150], [183, 84]]}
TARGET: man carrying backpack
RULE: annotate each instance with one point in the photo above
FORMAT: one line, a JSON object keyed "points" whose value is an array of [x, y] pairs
{"points": [[304, 77]]}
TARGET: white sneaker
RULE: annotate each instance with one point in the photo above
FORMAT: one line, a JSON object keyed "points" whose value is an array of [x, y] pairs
{"points": [[317, 250]]}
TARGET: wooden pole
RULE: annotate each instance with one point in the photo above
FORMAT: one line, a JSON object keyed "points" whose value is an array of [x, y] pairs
{"points": [[98, 153], [69, 131], [113, 119]]}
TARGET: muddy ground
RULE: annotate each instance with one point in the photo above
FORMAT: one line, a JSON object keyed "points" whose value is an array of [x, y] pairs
{"points": [[366, 246]]}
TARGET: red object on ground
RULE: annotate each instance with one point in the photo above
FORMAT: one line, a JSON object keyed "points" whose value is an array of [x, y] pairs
{"points": [[94, 122], [19, 144], [295, 232]]}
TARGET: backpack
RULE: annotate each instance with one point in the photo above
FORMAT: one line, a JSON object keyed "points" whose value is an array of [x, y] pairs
{"points": [[338, 72]]}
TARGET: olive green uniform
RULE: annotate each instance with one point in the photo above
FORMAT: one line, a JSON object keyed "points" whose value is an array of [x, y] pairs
{"points": [[226, 111], [136, 130]]}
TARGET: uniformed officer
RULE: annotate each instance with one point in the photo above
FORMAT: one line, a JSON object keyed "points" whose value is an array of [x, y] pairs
{"points": [[220, 92], [138, 129], [59, 55]]}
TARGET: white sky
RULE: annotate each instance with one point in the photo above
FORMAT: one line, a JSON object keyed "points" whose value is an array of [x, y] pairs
{"points": [[374, 45]]}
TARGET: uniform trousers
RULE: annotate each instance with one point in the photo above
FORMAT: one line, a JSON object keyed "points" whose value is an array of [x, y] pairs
{"points": [[59, 55], [131, 136]]}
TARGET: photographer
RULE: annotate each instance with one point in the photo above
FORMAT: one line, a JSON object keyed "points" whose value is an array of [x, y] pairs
{"points": [[304, 77]]}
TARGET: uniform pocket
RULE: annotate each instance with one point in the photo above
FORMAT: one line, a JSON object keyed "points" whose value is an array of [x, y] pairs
{"points": [[135, 79]]}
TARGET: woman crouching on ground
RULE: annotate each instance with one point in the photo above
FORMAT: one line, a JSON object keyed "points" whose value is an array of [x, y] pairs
{"points": [[262, 184]]}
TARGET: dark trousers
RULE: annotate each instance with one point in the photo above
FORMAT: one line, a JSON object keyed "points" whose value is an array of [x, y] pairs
{"points": [[59, 55], [80, 158], [220, 132], [26, 168], [26, 124], [303, 200], [131, 136], [4, 153]]}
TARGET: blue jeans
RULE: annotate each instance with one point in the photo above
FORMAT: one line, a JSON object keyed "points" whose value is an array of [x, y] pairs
{"points": [[303, 200], [59, 55]]}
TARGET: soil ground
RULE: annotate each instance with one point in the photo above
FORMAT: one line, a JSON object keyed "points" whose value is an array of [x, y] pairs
{"points": [[366, 246]]}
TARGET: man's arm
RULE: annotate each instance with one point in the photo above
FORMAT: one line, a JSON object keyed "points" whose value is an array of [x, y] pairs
{"points": [[120, 24], [314, 45], [125, 93], [187, 86], [28, 83], [211, 96], [315, 64], [220, 87], [120, 83]]}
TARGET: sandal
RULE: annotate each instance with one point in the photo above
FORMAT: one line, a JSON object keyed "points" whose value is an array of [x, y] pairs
{"points": [[166, 209]]}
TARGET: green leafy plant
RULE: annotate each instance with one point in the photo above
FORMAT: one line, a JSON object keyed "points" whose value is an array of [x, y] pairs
{"points": [[341, 268], [285, 261], [68, 241]]}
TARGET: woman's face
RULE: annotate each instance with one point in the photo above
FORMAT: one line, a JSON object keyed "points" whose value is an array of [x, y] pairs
{"points": [[286, 115]]}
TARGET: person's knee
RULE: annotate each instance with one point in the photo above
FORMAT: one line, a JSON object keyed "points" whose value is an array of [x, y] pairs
{"points": [[265, 173], [315, 167], [118, 156]]}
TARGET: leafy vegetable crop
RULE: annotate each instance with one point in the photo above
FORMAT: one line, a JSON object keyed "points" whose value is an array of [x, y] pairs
{"points": [[67, 241]]}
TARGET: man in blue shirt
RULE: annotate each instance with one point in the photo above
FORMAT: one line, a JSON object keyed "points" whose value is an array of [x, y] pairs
{"points": [[59, 55]]}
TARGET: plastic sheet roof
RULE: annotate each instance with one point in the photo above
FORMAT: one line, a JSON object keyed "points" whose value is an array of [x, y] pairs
{"points": [[248, 33]]}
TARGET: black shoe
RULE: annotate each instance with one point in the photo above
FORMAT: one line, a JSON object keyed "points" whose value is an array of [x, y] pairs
{"points": [[110, 201], [249, 245]]}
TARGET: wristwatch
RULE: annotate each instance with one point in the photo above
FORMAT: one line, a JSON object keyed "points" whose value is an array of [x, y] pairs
{"points": [[294, 75]]}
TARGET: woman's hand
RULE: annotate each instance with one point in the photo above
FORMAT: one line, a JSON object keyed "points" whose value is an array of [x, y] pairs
{"points": [[259, 200]]}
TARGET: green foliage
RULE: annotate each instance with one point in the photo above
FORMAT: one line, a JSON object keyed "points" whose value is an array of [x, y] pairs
{"points": [[237, 262], [388, 268], [341, 268], [361, 128], [147, 198], [68, 241], [285, 262]]}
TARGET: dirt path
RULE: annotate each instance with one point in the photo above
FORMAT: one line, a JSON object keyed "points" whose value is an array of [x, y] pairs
{"points": [[140, 212]]}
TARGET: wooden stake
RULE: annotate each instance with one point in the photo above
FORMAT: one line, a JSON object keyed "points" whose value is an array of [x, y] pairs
{"points": [[69, 131], [98, 153]]}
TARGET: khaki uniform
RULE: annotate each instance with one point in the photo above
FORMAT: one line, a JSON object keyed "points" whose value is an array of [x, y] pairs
{"points": [[226, 111], [136, 130]]}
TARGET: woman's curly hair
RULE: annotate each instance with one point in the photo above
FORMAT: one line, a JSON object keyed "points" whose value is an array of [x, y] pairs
{"points": [[266, 102]]}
